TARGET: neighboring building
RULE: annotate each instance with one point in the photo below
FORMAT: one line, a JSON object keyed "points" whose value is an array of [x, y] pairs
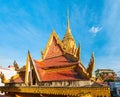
{"points": [[60, 73], [7, 72], [106, 74]]}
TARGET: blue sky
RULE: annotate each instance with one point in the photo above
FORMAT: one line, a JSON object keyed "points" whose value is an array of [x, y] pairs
{"points": [[27, 24]]}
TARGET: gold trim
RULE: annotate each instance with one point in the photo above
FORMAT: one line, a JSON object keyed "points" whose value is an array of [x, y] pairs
{"points": [[61, 68], [70, 91], [15, 77]]}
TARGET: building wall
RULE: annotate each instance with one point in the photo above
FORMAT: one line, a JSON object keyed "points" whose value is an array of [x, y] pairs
{"points": [[106, 74], [8, 72]]}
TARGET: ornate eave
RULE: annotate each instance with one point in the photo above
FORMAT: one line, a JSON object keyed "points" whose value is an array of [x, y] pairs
{"points": [[71, 56]]}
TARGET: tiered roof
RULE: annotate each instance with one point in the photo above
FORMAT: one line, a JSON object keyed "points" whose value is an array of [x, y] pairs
{"points": [[57, 68], [60, 61]]}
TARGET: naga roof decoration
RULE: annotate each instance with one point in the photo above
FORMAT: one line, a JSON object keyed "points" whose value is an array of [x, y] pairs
{"points": [[91, 65]]}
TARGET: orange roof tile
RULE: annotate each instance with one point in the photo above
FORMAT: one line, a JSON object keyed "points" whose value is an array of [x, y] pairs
{"points": [[56, 61], [46, 71], [54, 49], [60, 75], [19, 79], [47, 74]]}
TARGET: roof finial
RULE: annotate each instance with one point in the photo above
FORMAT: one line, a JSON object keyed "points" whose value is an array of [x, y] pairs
{"points": [[68, 20], [68, 40]]}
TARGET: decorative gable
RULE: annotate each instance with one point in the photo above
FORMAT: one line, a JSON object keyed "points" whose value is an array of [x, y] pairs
{"points": [[53, 48]]}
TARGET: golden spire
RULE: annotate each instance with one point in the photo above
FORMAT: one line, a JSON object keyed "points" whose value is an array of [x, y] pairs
{"points": [[68, 31], [68, 20], [68, 40]]}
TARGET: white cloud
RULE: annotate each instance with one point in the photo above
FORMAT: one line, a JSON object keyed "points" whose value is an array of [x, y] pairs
{"points": [[94, 29]]}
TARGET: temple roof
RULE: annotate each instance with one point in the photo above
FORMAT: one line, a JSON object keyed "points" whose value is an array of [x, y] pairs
{"points": [[56, 64], [60, 61], [60, 75], [57, 61], [57, 68]]}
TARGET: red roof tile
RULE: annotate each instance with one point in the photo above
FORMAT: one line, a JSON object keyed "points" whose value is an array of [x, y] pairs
{"points": [[49, 75], [54, 49], [56, 61], [47, 72], [61, 75], [19, 79]]}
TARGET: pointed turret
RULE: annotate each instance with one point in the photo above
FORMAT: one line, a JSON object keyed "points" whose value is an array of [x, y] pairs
{"points": [[91, 65], [68, 40]]}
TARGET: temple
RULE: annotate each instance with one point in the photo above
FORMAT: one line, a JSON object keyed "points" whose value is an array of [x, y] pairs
{"points": [[59, 73]]}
